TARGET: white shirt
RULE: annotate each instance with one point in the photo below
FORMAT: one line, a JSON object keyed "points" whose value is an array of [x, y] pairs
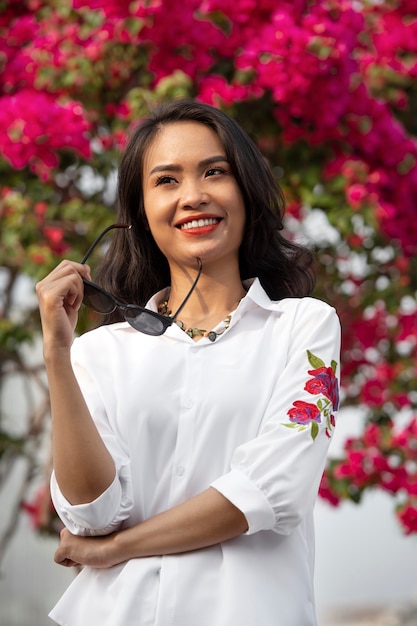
{"points": [[179, 416]]}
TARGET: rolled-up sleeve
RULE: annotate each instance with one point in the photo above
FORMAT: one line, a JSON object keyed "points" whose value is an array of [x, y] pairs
{"points": [[93, 518], [274, 478]]}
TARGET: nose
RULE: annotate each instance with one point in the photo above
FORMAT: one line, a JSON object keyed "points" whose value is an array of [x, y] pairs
{"points": [[193, 194]]}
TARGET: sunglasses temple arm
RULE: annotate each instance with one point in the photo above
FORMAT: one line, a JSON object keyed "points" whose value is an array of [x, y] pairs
{"points": [[193, 286], [99, 238]]}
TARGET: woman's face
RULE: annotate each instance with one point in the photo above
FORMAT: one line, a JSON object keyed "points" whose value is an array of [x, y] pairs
{"points": [[192, 201]]}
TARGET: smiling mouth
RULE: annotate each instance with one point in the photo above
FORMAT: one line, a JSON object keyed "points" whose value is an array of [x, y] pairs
{"points": [[200, 223]]}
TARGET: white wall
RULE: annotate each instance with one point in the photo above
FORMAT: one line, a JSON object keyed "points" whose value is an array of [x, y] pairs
{"points": [[363, 559]]}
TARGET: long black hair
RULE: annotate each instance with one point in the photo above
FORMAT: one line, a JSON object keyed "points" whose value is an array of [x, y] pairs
{"points": [[134, 268]]}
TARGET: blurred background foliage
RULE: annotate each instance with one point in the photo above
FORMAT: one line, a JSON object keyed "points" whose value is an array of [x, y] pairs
{"points": [[328, 91]]}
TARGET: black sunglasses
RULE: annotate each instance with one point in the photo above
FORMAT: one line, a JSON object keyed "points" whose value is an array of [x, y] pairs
{"points": [[141, 319]]}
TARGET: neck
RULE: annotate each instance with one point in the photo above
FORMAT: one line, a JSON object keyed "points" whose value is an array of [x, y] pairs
{"points": [[214, 297]]}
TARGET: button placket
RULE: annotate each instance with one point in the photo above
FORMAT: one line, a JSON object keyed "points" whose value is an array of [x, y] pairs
{"points": [[185, 433]]}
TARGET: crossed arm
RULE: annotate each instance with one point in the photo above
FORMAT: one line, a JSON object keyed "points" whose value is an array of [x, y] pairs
{"points": [[204, 520]]}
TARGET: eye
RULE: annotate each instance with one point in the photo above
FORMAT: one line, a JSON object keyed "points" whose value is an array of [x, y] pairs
{"points": [[165, 180], [213, 171]]}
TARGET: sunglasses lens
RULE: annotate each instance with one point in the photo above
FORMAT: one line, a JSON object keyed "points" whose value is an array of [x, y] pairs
{"points": [[97, 300], [144, 322]]}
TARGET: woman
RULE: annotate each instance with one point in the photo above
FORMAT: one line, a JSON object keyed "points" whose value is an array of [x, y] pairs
{"points": [[187, 455]]}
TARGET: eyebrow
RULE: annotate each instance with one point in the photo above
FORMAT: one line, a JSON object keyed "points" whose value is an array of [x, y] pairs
{"points": [[170, 167]]}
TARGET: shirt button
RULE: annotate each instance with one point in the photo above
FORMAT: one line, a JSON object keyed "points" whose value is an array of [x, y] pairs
{"points": [[180, 470], [188, 404]]}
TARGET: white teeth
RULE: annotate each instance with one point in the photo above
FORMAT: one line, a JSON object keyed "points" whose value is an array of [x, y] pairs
{"points": [[199, 223]]}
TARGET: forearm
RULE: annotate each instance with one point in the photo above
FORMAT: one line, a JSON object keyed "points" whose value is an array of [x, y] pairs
{"points": [[202, 521], [83, 467]]}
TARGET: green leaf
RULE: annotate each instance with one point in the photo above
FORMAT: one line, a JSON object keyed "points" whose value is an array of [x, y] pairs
{"points": [[314, 430], [406, 164], [334, 366], [314, 361]]}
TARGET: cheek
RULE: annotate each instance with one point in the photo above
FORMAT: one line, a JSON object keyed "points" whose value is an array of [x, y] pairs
{"points": [[156, 225]]}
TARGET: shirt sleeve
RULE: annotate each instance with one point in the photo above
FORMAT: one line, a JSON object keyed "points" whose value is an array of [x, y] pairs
{"points": [[274, 478], [105, 514]]}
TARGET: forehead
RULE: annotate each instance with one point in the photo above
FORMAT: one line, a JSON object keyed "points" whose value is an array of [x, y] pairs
{"points": [[181, 141]]}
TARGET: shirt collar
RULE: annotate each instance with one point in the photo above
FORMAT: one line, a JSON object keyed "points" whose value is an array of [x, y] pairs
{"points": [[156, 299], [256, 295]]}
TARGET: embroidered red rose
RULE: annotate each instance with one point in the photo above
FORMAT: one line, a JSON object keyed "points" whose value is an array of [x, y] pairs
{"points": [[324, 384], [304, 412]]}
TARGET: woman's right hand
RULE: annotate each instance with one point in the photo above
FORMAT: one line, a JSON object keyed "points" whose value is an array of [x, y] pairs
{"points": [[60, 295]]}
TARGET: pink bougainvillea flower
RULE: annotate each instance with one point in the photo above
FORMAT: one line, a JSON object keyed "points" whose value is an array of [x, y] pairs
{"points": [[35, 125], [327, 493], [53, 234], [407, 515]]}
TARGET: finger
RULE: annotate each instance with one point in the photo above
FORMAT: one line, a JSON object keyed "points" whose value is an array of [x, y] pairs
{"points": [[66, 273], [68, 563], [73, 300], [66, 267], [63, 285], [61, 557]]}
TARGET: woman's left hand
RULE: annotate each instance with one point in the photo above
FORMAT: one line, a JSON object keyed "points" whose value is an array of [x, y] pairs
{"points": [[74, 550]]}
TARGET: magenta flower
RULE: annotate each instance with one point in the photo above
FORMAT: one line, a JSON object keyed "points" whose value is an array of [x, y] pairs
{"points": [[408, 518]]}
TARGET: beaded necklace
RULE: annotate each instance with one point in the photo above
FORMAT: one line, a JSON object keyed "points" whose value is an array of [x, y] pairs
{"points": [[195, 332]]}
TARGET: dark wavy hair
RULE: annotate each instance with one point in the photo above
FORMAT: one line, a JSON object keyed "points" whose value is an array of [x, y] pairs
{"points": [[134, 268]]}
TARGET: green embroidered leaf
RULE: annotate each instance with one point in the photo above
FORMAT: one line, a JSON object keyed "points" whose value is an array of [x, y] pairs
{"points": [[294, 425], [314, 361], [334, 366], [320, 405], [314, 430]]}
